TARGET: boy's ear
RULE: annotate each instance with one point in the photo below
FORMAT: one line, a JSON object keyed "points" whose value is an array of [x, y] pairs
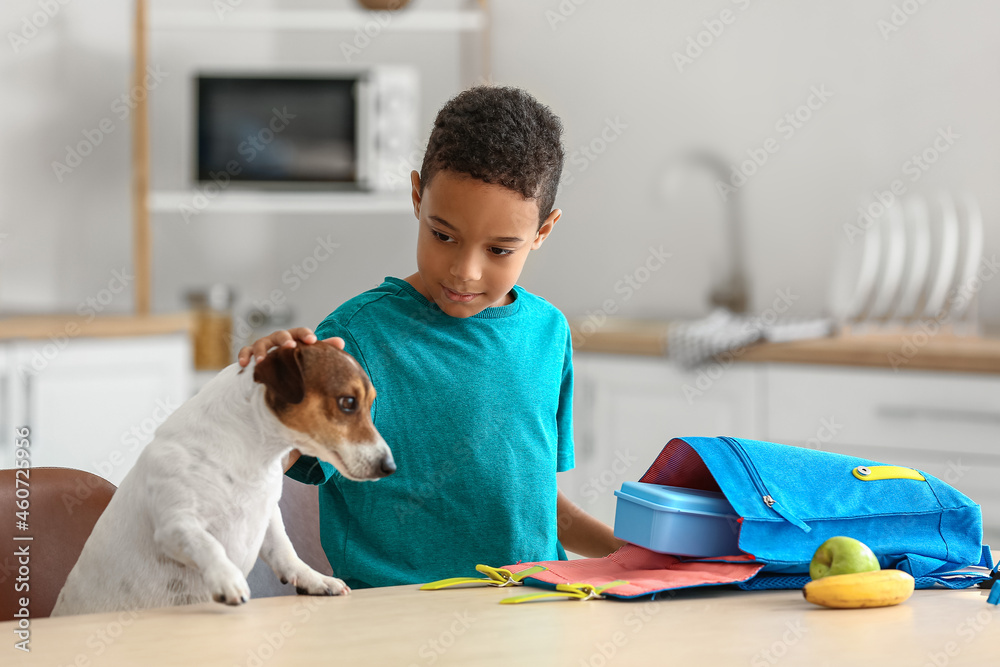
{"points": [[546, 228], [415, 194]]}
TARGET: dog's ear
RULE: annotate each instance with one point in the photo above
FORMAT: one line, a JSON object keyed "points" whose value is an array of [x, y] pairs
{"points": [[281, 372]]}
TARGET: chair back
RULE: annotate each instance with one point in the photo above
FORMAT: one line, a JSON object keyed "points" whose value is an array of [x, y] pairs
{"points": [[63, 505], [300, 514]]}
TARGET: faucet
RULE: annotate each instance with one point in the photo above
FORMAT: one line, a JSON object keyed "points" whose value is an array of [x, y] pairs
{"points": [[731, 291]]}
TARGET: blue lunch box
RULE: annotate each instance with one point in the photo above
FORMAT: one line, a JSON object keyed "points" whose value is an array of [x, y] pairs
{"points": [[672, 520]]}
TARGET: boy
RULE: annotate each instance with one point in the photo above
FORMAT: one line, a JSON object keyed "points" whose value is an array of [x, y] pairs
{"points": [[474, 374]]}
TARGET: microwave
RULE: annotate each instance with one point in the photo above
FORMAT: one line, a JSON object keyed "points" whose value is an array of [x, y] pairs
{"points": [[349, 130]]}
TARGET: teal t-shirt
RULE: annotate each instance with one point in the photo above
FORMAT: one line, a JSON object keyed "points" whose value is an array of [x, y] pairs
{"points": [[478, 414]]}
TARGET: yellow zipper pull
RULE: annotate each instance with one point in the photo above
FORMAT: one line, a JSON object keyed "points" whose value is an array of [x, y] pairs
{"points": [[569, 591], [502, 577], [498, 576], [454, 581], [875, 473]]}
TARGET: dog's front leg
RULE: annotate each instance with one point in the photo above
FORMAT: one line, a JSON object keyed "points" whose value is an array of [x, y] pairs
{"points": [[277, 551], [186, 541]]}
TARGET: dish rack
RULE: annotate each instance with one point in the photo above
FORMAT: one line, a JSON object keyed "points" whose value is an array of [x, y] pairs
{"points": [[914, 262]]}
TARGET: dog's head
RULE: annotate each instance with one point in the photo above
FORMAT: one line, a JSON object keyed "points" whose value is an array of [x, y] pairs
{"points": [[322, 392]]}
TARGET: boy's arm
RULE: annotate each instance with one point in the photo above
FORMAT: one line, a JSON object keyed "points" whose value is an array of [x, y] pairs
{"points": [[290, 459], [583, 534]]}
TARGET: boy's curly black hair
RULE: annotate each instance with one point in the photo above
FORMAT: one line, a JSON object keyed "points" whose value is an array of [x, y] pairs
{"points": [[498, 135]]}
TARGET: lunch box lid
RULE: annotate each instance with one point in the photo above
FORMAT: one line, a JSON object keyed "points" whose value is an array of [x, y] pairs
{"points": [[674, 498]]}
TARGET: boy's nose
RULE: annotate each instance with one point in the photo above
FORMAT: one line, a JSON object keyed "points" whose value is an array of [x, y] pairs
{"points": [[465, 268]]}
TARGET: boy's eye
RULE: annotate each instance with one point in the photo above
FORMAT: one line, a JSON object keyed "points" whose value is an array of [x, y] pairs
{"points": [[439, 236], [501, 252]]}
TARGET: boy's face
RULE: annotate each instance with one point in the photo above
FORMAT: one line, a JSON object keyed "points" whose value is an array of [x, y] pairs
{"points": [[473, 241]]}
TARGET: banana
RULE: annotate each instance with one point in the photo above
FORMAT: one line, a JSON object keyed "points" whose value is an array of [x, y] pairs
{"points": [[879, 588]]}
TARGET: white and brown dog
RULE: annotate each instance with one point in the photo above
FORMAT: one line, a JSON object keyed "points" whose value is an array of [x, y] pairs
{"points": [[190, 518]]}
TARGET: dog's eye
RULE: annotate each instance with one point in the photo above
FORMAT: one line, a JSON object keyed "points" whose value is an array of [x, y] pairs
{"points": [[347, 404]]}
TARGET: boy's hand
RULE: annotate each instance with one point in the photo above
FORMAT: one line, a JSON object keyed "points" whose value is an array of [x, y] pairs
{"points": [[282, 338], [583, 534]]}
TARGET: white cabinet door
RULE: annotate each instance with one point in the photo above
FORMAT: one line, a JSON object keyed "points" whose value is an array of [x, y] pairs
{"points": [[628, 407], [93, 404], [910, 410]]}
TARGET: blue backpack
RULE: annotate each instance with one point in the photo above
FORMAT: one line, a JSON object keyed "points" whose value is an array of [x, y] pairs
{"points": [[792, 499]]}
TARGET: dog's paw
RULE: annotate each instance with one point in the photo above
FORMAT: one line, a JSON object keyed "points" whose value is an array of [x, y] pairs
{"points": [[313, 583], [229, 586], [333, 586], [326, 586]]}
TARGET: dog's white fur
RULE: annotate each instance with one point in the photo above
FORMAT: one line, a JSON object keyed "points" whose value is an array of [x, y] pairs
{"points": [[190, 518]]}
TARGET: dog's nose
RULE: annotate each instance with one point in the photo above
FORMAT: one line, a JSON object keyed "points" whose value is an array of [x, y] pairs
{"points": [[388, 465]]}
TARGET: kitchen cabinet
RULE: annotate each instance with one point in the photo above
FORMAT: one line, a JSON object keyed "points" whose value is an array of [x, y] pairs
{"points": [[627, 407], [908, 410], [91, 403]]}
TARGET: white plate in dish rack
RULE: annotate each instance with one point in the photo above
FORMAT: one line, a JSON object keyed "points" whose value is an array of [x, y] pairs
{"points": [[944, 232], [971, 253], [892, 260], [854, 275], [918, 256]]}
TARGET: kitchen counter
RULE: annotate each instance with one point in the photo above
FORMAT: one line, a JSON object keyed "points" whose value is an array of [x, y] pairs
{"points": [[104, 326], [913, 350], [405, 626]]}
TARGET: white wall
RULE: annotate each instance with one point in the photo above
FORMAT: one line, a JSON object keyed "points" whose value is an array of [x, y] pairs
{"points": [[606, 61], [64, 237], [609, 60]]}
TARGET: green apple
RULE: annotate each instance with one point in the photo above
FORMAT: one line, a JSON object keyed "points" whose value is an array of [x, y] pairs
{"points": [[842, 555]]}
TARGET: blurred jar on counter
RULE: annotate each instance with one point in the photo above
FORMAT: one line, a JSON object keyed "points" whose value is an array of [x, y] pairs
{"points": [[213, 326]]}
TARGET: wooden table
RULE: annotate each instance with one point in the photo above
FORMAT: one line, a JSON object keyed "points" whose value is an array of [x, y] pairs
{"points": [[404, 626]]}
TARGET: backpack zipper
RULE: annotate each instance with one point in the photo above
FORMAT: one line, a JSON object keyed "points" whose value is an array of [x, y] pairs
{"points": [[759, 484]]}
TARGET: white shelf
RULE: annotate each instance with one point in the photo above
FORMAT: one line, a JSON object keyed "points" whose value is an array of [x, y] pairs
{"points": [[345, 19], [194, 203]]}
